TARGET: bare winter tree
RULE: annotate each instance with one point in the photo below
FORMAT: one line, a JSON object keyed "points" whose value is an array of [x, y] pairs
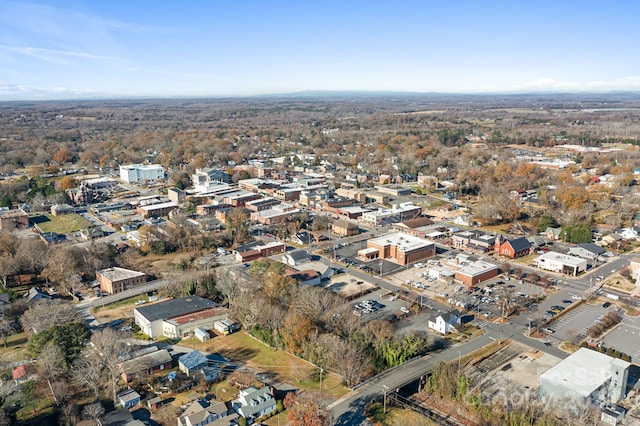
{"points": [[87, 373], [8, 267], [44, 314], [51, 367], [7, 328], [229, 285], [93, 411], [108, 347]]}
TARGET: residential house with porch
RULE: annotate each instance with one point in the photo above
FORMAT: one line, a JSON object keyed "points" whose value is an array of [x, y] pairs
{"points": [[445, 323], [253, 403], [588, 251]]}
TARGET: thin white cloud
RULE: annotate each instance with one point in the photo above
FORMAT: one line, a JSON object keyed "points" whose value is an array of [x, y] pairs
{"points": [[12, 90], [54, 55]]}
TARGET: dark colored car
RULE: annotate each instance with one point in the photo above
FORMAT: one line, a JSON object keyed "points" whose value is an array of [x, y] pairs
{"points": [[606, 304]]}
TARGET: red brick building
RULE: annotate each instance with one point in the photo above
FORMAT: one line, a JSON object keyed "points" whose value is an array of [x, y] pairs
{"points": [[13, 219], [400, 248], [515, 248]]}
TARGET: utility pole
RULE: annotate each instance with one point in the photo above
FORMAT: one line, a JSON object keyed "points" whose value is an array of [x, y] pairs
{"points": [[385, 388], [321, 371]]}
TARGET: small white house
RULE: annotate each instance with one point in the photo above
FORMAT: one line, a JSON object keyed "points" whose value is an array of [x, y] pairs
{"points": [[295, 257], [445, 323]]}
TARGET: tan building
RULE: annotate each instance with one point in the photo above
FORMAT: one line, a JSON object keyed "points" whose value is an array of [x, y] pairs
{"points": [[400, 248], [156, 210], [114, 280], [344, 228], [12, 219]]}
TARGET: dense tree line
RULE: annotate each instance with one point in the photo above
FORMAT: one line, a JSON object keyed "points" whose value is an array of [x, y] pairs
{"points": [[315, 324]]}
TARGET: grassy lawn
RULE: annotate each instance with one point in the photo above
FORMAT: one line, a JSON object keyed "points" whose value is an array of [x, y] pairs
{"points": [[242, 348], [277, 420], [620, 283], [120, 304], [396, 416], [16, 345], [61, 224]]}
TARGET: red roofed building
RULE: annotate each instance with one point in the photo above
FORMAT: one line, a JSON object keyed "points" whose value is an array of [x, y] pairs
{"points": [[20, 374]]}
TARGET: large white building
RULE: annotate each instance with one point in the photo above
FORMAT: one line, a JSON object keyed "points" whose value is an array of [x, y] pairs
{"points": [[558, 262], [586, 376], [399, 213], [131, 173]]}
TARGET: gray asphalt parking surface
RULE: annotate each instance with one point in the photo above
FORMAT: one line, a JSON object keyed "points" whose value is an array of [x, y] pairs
{"points": [[624, 337], [576, 323]]}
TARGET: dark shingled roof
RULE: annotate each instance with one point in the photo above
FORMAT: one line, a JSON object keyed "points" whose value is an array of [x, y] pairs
{"points": [[520, 244], [597, 250], [175, 307]]}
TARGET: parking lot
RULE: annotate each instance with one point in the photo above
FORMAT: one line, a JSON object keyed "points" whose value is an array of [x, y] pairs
{"points": [[482, 300], [346, 253], [378, 305], [575, 324], [624, 337]]}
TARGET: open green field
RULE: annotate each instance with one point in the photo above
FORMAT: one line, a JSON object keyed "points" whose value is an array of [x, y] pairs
{"points": [[242, 348], [16, 345], [396, 416], [61, 224]]}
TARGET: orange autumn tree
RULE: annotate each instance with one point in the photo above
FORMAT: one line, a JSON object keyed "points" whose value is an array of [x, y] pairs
{"points": [[297, 329], [306, 409]]}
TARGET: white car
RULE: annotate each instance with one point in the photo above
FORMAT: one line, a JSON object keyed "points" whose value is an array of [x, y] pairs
{"points": [[575, 297], [487, 314], [392, 298], [405, 309]]}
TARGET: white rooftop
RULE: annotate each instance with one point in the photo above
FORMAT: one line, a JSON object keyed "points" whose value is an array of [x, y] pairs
{"points": [[559, 257], [583, 372], [476, 268], [404, 242], [117, 274], [158, 206]]}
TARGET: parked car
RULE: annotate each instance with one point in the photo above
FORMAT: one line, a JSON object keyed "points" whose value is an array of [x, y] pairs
{"points": [[606, 304], [404, 309]]}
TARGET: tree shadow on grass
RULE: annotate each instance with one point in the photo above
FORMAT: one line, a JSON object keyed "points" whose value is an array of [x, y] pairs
{"points": [[238, 355], [39, 219]]}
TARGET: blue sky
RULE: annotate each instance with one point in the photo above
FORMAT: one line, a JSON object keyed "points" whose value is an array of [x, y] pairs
{"points": [[72, 49]]}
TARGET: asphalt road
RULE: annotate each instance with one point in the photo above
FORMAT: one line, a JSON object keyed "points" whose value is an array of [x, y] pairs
{"points": [[349, 410], [85, 306]]}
